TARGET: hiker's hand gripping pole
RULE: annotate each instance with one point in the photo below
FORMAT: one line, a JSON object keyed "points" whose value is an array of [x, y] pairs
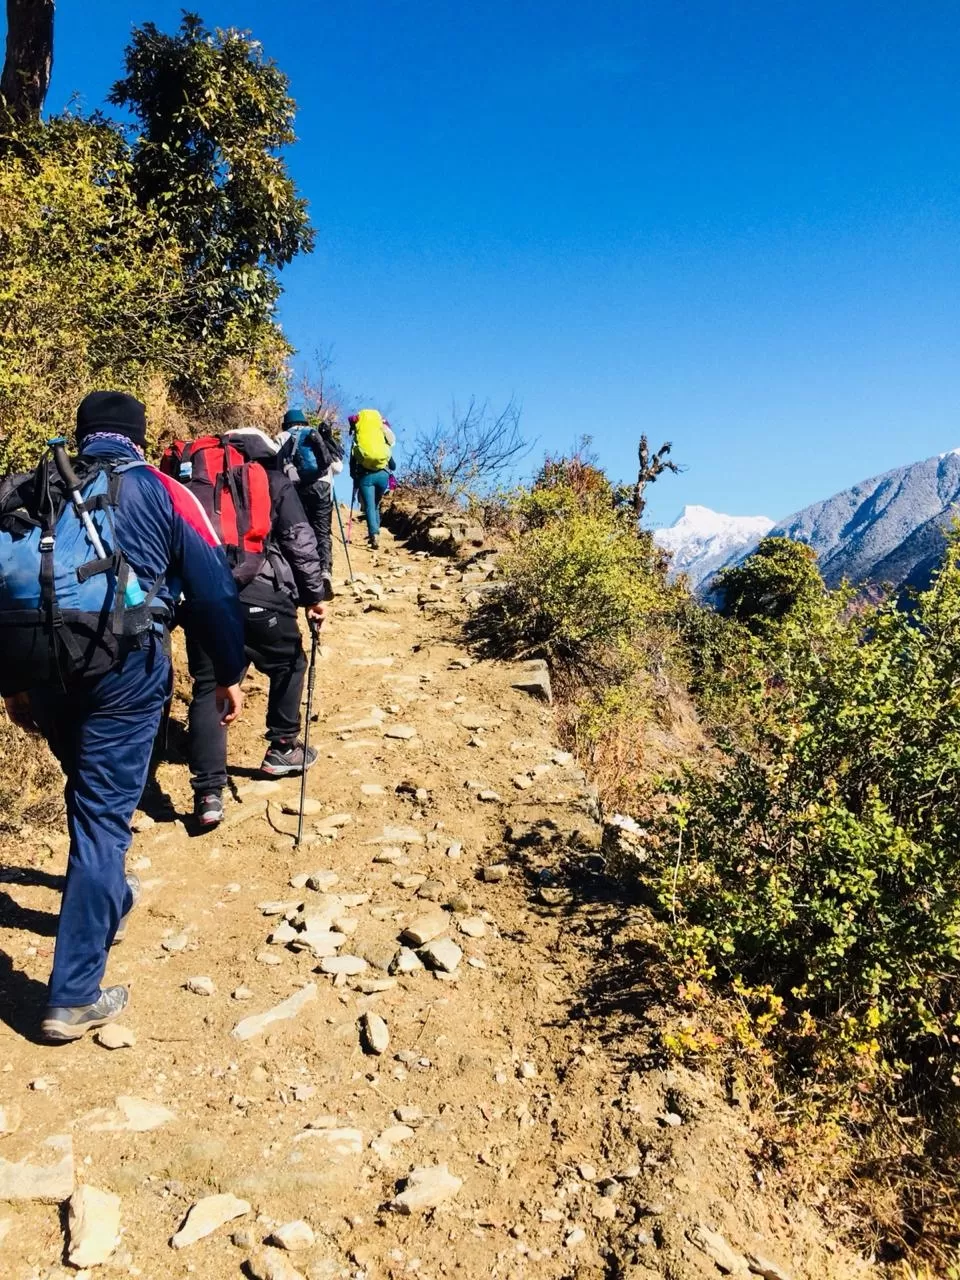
{"points": [[132, 591]]}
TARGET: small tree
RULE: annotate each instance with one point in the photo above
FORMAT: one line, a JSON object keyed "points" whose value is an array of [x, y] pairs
{"points": [[471, 453], [651, 466], [780, 575], [29, 57], [213, 117]]}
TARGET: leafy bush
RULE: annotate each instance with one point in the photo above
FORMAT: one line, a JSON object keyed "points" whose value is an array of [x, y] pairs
{"points": [[781, 575], [149, 264], [823, 863], [577, 586]]}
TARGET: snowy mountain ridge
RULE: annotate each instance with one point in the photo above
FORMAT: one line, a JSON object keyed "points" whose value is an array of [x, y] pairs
{"points": [[701, 541]]}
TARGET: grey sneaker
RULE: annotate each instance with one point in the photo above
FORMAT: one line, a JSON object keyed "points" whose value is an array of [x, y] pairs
{"points": [[208, 807], [63, 1024], [285, 758], [133, 884]]}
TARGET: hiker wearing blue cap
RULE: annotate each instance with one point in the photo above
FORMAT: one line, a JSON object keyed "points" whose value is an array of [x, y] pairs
{"points": [[314, 453]]}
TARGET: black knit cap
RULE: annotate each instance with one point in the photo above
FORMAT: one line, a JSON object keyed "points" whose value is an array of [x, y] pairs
{"points": [[112, 411]]}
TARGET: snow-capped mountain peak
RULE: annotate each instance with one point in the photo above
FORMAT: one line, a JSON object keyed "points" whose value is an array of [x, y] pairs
{"points": [[701, 541]]}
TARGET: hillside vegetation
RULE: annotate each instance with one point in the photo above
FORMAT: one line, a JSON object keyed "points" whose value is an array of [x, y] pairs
{"points": [[800, 850], [145, 258]]}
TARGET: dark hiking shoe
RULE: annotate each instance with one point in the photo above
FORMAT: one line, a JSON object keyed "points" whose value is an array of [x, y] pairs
{"points": [[208, 808], [63, 1024], [374, 543], [285, 758], [133, 884]]}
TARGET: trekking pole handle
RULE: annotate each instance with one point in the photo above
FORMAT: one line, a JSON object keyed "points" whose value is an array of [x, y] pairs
{"points": [[59, 446]]}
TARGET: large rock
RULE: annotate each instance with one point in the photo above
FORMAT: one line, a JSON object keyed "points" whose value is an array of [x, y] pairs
{"points": [[534, 678], [206, 1216], [93, 1226], [281, 1012], [426, 927], [442, 954], [426, 1188], [294, 1235], [132, 1115], [46, 1175]]}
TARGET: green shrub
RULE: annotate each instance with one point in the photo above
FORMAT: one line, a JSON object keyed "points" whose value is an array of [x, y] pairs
{"points": [[824, 863], [781, 575], [577, 588]]}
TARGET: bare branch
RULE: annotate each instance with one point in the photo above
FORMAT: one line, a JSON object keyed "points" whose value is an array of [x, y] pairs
{"points": [[469, 454]]}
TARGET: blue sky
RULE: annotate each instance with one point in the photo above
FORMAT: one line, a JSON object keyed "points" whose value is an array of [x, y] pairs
{"points": [[733, 225]]}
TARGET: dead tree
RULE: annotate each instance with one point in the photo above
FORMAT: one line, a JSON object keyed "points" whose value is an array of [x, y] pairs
{"points": [[651, 466], [29, 57], [471, 454]]}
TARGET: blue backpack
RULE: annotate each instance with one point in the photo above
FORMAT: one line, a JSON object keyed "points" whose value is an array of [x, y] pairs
{"points": [[312, 451], [65, 612]]}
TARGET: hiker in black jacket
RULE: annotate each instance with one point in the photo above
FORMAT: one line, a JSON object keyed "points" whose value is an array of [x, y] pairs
{"points": [[291, 574]]}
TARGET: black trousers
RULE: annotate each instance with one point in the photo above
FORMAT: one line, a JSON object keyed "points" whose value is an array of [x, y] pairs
{"points": [[317, 502], [273, 646]]}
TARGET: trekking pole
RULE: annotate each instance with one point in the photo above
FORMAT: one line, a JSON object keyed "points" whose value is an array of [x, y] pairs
{"points": [[132, 591], [346, 549], [311, 678], [353, 498]]}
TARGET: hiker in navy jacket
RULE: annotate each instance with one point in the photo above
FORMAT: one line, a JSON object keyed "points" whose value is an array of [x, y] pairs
{"points": [[102, 729]]}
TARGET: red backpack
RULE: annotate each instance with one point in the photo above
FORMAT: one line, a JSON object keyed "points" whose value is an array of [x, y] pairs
{"points": [[234, 493]]}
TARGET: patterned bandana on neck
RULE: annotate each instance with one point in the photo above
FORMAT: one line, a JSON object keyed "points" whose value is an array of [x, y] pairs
{"points": [[115, 437]]}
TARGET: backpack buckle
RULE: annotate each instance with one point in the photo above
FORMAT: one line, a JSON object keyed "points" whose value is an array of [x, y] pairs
{"points": [[47, 543]]}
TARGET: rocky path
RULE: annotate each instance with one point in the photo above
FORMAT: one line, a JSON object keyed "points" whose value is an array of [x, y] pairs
{"points": [[377, 1055]]}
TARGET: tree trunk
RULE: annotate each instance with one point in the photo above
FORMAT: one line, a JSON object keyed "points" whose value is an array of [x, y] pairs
{"points": [[29, 60]]}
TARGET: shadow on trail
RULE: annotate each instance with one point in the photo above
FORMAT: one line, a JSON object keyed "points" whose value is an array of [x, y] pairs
{"points": [[619, 986], [27, 919], [22, 1001]]}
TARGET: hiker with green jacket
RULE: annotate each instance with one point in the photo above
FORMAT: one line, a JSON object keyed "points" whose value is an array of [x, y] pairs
{"points": [[371, 464]]}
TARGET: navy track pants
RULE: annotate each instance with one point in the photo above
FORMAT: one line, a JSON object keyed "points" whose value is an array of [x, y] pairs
{"points": [[103, 736]]}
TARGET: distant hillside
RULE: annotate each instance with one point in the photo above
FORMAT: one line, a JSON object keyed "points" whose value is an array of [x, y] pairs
{"points": [[701, 541], [889, 529]]}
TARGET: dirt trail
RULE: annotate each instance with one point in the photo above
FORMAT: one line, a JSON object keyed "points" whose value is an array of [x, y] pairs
{"points": [[521, 1071]]}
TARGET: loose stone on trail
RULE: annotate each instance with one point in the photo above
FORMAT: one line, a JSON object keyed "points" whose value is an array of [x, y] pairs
{"points": [[425, 928], [426, 1188], [114, 1036], [311, 807], [206, 1216], [494, 874], [131, 1115], [273, 1265], [374, 1032], [349, 966], [10, 1117], [402, 732], [473, 927], [288, 1008], [45, 1174], [93, 1226], [202, 986], [293, 1235], [443, 954]]}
